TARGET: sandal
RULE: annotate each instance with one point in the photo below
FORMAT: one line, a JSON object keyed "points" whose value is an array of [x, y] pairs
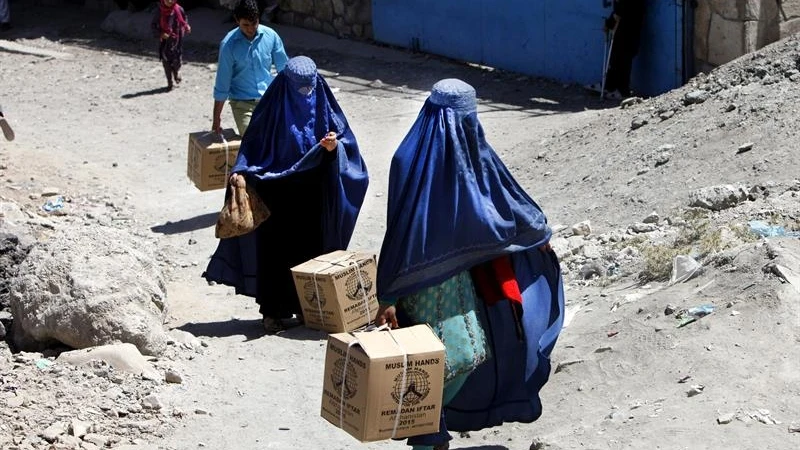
{"points": [[292, 322], [272, 326]]}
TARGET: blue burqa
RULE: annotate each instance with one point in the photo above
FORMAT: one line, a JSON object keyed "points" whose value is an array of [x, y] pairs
{"points": [[314, 195], [453, 205]]}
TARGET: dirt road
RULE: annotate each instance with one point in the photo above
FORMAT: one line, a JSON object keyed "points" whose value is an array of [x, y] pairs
{"points": [[95, 119]]}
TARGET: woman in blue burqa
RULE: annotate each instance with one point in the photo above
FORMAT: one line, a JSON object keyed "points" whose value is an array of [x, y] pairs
{"points": [[302, 158], [467, 252]]}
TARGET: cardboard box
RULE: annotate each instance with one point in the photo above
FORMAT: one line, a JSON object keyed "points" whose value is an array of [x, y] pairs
{"points": [[337, 291], [208, 162], [366, 382]]}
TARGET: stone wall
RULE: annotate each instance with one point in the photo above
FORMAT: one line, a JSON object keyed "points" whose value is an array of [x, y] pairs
{"points": [[727, 29], [343, 18], [789, 17]]}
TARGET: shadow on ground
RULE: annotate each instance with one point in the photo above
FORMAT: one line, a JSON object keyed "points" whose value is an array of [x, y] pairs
{"points": [[187, 225], [161, 90], [251, 329], [405, 73], [486, 447]]}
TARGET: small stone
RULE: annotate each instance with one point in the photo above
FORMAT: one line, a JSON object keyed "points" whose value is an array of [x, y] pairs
{"points": [[794, 428], [695, 97], [79, 428], [666, 147], [538, 445], [638, 122], [669, 310], [592, 270], [51, 433], [745, 148], [642, 227], [652, 218], [173, 377], [200, 411], [696, 389], [730, 107], [725, 419], [16, 402], [603, 350], [134, 408], [192, 241], [69, 442], [152, 402], [666, 114], [630, 101], [96, 439], [663, 158], [114, 165], [376, 84], [582, 228]]}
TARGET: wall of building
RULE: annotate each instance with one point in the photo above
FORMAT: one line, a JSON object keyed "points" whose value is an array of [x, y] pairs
{"points": [[727, 29], [343, 18]]}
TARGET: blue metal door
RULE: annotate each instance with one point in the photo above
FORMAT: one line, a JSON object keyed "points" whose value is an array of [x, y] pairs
{"points": [[659, 66]]}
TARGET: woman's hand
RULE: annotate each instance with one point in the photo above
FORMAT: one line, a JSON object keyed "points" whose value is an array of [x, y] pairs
{"points": [[164, 36], [546, 247], [237, 181], [188, 29], [329, 141], [387, 314]]}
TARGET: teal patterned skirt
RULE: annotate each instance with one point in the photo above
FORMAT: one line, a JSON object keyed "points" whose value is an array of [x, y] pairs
{"points": [[450, 308]]}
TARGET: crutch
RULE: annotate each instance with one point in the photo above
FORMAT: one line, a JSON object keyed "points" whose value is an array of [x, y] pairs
{"points": [[606, 60]]}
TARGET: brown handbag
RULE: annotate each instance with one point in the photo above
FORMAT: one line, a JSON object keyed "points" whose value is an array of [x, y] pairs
{"points": [[243, 212]]}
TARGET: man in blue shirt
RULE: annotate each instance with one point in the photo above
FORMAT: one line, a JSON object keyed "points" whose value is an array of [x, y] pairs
{"points": [[244, 70]]}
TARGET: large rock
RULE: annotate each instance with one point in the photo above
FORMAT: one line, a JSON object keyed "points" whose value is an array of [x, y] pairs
{"points": [[12, 253], [122, 357], [90, 286], [717, 198]]}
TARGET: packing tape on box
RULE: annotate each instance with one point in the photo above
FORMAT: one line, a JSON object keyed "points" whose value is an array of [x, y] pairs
{"points": [[227, 148], [362, 285], [319, 300], [336, 262], [403, 382]]}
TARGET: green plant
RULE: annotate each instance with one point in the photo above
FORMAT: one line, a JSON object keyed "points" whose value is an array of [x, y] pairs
{"points": [[658, 262], [744, 233]]}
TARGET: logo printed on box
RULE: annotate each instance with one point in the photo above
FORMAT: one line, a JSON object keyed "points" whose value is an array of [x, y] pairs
{"points": [[221, 164], [311, 294], [356, 287], [350, 381], [417, 386]]}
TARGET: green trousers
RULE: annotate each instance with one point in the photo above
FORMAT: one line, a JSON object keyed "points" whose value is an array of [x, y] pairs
{"points": [[242, 113]]}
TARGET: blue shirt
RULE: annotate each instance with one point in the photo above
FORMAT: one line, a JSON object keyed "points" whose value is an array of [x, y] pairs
{"points": [[244, 67]]}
